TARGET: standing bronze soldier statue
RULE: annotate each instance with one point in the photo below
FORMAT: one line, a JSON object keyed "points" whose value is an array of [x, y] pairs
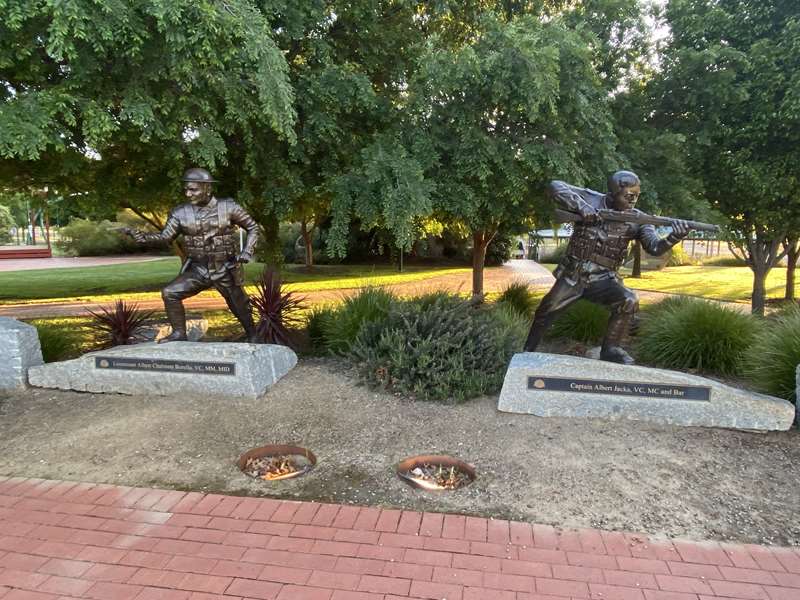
{"points": [[596, 250], [207, 225]]}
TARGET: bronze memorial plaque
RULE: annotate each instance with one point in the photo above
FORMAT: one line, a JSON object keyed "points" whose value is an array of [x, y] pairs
{"points": [[131, 363], [620, 388]]}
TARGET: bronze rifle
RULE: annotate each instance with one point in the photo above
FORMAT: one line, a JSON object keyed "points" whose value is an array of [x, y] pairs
{"points": [[638, 217]]}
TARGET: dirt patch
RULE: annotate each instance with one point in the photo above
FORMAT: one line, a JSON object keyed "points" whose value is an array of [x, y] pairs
{"points": [[683, 482]]}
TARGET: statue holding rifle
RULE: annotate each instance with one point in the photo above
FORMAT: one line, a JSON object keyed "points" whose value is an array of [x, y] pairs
{"points": [[605, 224], [207, 225]]}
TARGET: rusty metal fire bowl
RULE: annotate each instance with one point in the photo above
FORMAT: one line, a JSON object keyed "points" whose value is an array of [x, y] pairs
{"points": [[302, 458], [420, 472]]}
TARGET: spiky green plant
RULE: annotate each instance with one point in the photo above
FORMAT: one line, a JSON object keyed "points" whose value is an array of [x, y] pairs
{"points": [[519, 297], [317, 322], [368, 305], [58, 342], [772, 360], [584, 321], [693, 334]]}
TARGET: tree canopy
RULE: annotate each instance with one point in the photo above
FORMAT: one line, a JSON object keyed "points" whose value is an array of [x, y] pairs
{"points": [[731, 88], [392, 112], [116, 97]]}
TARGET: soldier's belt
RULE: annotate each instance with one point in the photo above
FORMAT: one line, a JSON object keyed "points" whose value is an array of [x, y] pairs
{"points": [[599, 259]]}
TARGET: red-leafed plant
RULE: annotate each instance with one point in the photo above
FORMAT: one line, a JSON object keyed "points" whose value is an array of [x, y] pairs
{"points": [[120, 325], [278, 310]]}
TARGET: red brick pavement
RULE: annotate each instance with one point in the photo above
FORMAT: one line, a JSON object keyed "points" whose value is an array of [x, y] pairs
{"points": [[62, 540]]}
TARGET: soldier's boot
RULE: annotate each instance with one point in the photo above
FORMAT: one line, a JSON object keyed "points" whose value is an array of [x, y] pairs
{"points": [[240, 307], [538, 328], [535, 335], [617, 329], [177, 318]]}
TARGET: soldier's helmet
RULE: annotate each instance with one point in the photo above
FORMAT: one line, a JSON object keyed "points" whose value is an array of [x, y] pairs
{"points": [[196, 175], [622, 179]]}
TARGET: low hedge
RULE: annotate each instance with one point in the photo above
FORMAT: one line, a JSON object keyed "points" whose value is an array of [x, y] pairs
{"points": [[439, 351]]}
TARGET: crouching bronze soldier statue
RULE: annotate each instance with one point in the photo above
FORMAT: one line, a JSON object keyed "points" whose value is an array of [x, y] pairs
{"points": [[207, 225], [595, 252]]}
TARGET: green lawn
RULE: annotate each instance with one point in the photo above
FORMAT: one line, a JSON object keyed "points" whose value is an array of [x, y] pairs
{"points": [[139, 281], [734, 284]]}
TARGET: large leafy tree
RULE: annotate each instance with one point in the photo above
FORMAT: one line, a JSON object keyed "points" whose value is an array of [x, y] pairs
{"points": [[115, 99], [731, 87], [348, 63], [516, 104]]}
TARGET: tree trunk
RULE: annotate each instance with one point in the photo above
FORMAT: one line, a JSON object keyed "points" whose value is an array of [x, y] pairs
{"points": [[763, 253], [271, 253], [637, 260], [759, 300], [307, 242], [792, 254], [480, 241]]}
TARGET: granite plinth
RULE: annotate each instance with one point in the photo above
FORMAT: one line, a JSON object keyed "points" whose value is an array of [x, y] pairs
{"points": [[797, 391], [171, 369], [553, 385], [19, 350]]}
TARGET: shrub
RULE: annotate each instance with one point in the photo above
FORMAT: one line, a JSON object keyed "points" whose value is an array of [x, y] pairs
{"points": [[692, 334], [55, 345], [511, 328], [60, 341], [772, 360], [553, 256], [277, 310], [438, 297], [436, 351], [340, 331], [499, 249], [6, 223], [519, 297], [725, 261], [317, 323], [120, 325], [87, 238], [584, 321], [677, 257]]}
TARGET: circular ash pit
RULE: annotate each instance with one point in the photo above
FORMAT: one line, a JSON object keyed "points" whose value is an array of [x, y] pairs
{"points": [[435, 472], [276, 462]]}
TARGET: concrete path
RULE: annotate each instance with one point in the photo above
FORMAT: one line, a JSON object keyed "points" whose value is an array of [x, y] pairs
{"points": [[62, 540], [495, 279], [30, 264]]}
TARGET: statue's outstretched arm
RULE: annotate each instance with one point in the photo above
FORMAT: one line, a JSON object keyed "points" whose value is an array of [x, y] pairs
{"points": [[169, 233]]}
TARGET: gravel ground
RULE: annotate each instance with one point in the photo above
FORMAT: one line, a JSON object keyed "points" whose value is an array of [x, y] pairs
{"points": [[681, 482]]}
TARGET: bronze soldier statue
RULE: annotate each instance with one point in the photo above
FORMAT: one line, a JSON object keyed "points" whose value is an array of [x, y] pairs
{"points": [[595, 252], [207, 225]]}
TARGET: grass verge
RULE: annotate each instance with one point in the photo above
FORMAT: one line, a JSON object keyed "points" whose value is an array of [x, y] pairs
{"points": [[143, 281]]}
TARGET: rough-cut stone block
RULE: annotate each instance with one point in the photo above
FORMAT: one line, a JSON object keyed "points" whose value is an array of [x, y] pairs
{"points": [[552, 385], [174, 368], [19, 350], [797, 390]]}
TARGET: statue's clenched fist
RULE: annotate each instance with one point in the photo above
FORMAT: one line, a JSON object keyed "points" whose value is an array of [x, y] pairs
{"points": [[137, 236], [680, 228]]}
